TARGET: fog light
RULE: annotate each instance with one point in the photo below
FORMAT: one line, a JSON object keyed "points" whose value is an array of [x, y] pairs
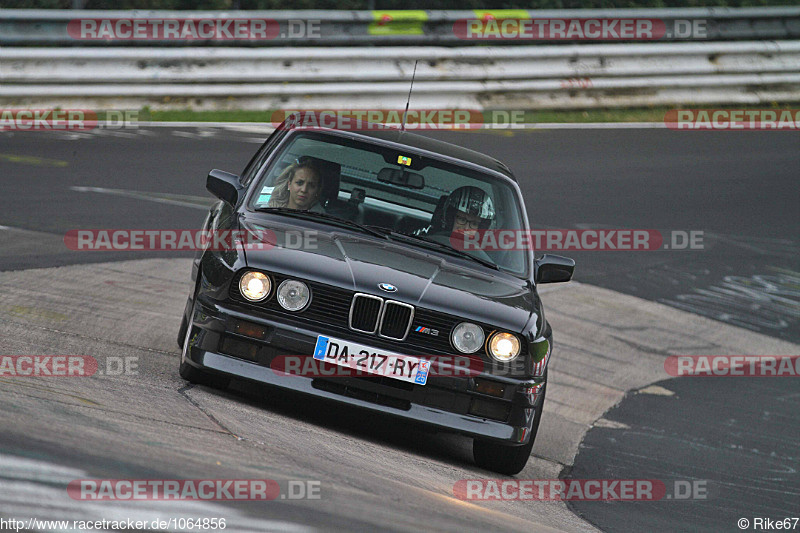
{"points": [[293, 295], [467, 337]]}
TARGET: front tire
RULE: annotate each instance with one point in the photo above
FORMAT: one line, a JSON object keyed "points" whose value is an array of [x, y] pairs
{"points": [[505, 459]]}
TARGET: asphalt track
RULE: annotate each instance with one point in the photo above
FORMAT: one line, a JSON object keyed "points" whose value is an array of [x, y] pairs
{"points": [[739, 188]]}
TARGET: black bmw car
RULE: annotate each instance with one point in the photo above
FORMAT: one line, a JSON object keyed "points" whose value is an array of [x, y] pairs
{"points": [[348, 281]]}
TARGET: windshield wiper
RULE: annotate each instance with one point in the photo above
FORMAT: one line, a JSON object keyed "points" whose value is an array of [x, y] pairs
{"points": [[445, 248], [324, 216]]}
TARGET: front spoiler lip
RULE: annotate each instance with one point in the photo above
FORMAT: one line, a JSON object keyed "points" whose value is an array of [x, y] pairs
{"points": [[214, 318], [455, 423]]}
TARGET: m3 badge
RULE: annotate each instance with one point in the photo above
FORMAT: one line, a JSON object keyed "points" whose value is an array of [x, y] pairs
{"points": [[427, 331]]}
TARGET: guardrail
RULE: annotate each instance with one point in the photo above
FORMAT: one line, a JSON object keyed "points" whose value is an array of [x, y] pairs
{"points": [[532, 77], [343, 28]]}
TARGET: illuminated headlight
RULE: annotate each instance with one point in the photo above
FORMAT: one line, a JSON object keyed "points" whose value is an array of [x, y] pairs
{"points": [[293, 295], [468, 337], [504, 346], [255, 286]]}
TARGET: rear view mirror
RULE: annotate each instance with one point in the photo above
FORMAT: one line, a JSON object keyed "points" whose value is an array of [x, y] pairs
{"points": [[554, 269], [401, 178]]}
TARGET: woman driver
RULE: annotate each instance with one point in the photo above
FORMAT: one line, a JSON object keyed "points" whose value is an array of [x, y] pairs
{"points": [[299, 186]]}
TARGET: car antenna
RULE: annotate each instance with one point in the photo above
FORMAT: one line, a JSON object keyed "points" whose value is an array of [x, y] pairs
{"points": [[405, 113]]}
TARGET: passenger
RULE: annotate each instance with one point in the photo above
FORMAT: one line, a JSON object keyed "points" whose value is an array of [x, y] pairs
{"points": [[299, 186]]}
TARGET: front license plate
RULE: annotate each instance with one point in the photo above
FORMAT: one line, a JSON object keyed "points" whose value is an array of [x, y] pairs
{"points": [[372, 360]]}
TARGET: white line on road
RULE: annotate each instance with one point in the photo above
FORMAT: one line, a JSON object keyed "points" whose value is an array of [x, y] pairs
{"points": [[183, 200]]}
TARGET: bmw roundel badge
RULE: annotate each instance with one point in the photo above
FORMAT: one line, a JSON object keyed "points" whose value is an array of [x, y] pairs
{"points": [[388, 287]]}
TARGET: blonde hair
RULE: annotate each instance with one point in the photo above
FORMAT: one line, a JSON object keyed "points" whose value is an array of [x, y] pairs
{"points": [[280, 192]]}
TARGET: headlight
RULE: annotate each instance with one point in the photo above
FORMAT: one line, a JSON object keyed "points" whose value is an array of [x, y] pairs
{"points": [[504, 346], [293, 295], [468, 337], [255, 286]]}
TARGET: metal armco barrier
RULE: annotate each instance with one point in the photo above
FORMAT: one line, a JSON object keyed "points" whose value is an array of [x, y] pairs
{"points": [[343, 28], [363, 65], [350, 60], [531, 77]]}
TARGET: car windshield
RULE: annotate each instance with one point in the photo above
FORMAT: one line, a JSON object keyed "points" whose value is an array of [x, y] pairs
{"points": [[397, 190]]}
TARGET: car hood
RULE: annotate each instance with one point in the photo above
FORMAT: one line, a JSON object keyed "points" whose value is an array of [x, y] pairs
{"points": [[422, 277]]}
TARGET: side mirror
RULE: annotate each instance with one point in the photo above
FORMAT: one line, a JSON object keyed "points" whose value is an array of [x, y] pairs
{"points": [[553, 269], [224, 185]]}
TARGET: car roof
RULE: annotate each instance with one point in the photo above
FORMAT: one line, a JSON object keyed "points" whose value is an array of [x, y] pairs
{"points": [[412, 140]]}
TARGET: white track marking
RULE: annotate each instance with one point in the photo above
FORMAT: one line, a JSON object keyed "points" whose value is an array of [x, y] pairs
{"points": [[196, 202]]}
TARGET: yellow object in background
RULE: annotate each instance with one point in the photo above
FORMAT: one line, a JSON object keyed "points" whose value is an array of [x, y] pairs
{"points": [[405, 22]]}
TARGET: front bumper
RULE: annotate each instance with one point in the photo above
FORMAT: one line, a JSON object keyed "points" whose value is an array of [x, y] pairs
{"points": [[447, 403]]}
